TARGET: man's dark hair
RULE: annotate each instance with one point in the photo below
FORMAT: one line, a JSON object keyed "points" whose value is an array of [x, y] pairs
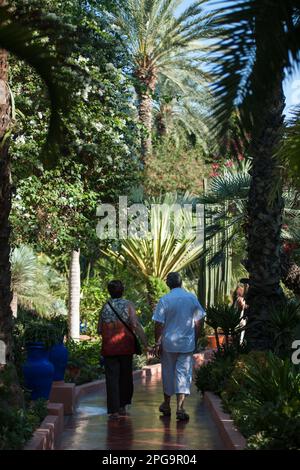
{"points": [[174, 280], [115, 288]]}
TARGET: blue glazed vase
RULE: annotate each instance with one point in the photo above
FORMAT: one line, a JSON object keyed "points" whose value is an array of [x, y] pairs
{"points": [[58, 356], [38, 371]]}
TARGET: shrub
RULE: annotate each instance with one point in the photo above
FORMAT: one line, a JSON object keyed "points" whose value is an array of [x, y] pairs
{"points": [[17, 423], [263, 397], [214, 375], [282, 326], [84, 361]]}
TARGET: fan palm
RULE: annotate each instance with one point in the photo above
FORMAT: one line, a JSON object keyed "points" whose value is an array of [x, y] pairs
{"points": [[33, 281], [226, 200], [259, 42], [164, 250], [33, 47], [162, 44]]}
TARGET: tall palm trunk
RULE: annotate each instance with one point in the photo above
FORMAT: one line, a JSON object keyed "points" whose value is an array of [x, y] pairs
{"points": [[265, 218], [145, 116], [5, 207], [147, 79], [74, 295]]}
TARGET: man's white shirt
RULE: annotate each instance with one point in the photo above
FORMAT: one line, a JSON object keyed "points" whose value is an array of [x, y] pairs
{"points": [[178, 311]]}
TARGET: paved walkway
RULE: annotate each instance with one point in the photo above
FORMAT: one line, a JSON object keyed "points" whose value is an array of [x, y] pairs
{"points": [[144, 429]]}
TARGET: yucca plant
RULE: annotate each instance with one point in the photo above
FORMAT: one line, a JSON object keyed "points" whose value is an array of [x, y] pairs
{"points": [[165, 249], [162, 43]]}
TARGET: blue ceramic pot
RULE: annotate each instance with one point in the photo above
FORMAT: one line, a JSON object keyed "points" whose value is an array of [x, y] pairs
{"points": [[58, 356], [38, 371]]}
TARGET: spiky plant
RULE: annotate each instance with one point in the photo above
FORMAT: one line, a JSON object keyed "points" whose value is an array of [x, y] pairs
{"points": [[162, 43], [165, 249]]}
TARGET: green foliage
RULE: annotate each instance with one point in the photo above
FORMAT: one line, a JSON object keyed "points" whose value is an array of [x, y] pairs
{"points": [[290, 150], [16, 423], [282, 324], [164, 174], [29, 42], [35, 283], [249, 60], [99, 160], [156, 288], [30, 328], [214, 375], [158, 39], [226, 318], [139, 362], [84, 361], [94, 296], [263, 398]]}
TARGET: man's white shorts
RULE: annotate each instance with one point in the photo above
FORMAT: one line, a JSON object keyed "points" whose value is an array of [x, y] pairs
{"points": [[177, 372]]}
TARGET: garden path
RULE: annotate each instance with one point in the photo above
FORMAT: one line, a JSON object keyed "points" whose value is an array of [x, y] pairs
{"points": [[89, 428]]}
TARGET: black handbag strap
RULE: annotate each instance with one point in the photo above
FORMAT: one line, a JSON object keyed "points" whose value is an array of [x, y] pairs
{"points": [[121, 319]]}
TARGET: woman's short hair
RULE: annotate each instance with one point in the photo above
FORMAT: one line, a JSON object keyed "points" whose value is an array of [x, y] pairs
{"points": [[115, 288]]}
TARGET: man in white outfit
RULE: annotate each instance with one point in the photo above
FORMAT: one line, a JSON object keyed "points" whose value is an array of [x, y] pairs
{"points": [[178, 318]]}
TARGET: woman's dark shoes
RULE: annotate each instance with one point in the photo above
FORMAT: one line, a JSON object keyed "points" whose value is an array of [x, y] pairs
{"points": [[114, 416], [165, 409], [123, 411]]}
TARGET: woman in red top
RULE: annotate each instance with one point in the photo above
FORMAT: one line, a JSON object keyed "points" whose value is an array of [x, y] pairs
{"points": [[118, 347]]}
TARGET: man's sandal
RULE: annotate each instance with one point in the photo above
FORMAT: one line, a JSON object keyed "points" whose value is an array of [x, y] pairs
{"points": [[181, 415], [165, 409]]}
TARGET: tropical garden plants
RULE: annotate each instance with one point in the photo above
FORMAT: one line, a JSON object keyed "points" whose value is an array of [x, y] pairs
{"points": [[165, 248], [259, 43]]}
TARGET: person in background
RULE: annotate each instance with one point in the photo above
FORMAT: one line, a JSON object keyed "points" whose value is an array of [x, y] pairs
{"points": [[239, 302], [178, 321], [118, 348]]}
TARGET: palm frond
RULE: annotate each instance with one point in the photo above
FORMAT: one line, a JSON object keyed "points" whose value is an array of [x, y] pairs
{"points": [[244, 26]]}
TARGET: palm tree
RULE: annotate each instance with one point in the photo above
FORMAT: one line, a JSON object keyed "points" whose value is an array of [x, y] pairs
{"points": [[260, 40], [162, 44], [22, 41], [179, 112], [74, 294], [34, 283]]}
